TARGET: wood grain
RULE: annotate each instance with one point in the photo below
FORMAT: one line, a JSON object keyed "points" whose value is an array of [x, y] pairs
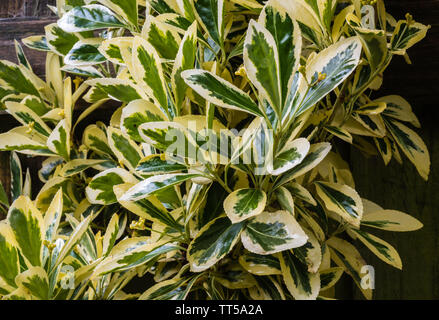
{"points": [[25, 8], [400, 187]]}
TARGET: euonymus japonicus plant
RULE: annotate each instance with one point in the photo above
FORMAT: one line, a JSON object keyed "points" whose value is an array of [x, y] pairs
{"points": [[219, 174]]}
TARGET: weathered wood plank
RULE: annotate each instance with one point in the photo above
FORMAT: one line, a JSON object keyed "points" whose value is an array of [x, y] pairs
{"points": [[25, 8], [20, 28], [400, 187]]}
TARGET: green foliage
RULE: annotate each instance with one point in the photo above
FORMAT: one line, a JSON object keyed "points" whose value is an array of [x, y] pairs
{"points": [[217, 175]]}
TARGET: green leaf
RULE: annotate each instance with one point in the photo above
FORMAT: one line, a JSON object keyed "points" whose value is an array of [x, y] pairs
{"points": [[100, 188], [88, 18], [380, 248], [302, 284], [272, 232], [184, 60], [158, 164], [36, 281], [210, 15], [342, 200], [317, 152], [59, 140], [155, 184], [212, 243], [391, 220], [117, 89], [27, 225], [219, 92], [85, 52], [9, 263], [16, 176], [148, 72], [130, 253], [58, 40], [244, 203], [329, 277], [162, 37], [126, 150], [135, 114], [149, 208], [412, 146], [261, 61], [260, 265], [287, 36], [13, 78], [127, 9], [292, 154]]}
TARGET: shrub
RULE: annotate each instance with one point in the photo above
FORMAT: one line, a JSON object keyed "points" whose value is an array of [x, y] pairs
{"points": [[220, 174]]}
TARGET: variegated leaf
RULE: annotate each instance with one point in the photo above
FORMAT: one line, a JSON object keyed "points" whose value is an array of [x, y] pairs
{"points": [[267, 288], [155, 184], [302, 284], [399, 108], [130, 253], [148, 72], [329, 277], [162, 37], [213, 242], [219, 91], [272, 232], [9, 263], [317, 152], [58, 40], [260, 265], [100, 188], [127, 151], [36, 281], [289, 156], [117, 89], [287, 36], [184, 60], [391, 220], [59, 140], [244, 203], [210, 14], [149, 208], [27, 226], [261, 61], [342, 200], [158, 164], [412, 146], [85, 52], [136, 113], [380, 248], [345, 255], [89, 17]]}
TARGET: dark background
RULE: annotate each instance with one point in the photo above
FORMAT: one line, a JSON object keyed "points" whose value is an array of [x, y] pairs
{"points": [[393, 187]]}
